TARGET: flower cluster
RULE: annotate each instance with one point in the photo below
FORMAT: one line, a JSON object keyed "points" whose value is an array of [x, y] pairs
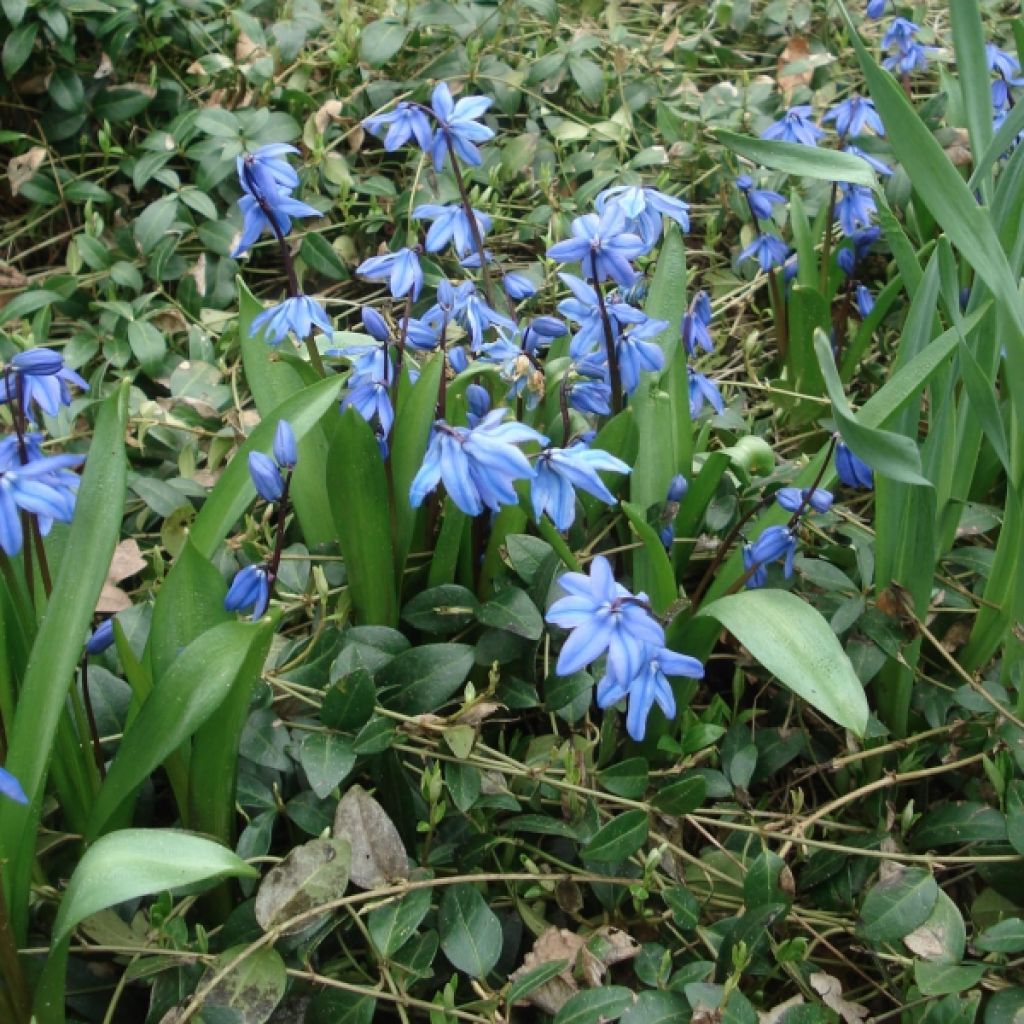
{"points": [[607, 621], [905, 53], [35, 488]]}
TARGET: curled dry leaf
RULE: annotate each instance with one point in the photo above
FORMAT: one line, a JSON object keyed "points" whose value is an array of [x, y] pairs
{"points": [[586, 956], [795, 68], [776, 1013], [127, 561], [21, 169], [378, 854], [831, 992], [330, 111]]}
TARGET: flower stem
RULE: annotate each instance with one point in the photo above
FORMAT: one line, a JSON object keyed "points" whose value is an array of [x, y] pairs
{"points": [[97, 749], [609, 340], [282, 515], [723, 550], [779, 306], [826, 245]]}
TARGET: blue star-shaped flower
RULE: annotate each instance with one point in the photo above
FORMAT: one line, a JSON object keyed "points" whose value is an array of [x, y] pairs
{"points": [[298, 314], [602, 246], [560, 470], [457, 123]]}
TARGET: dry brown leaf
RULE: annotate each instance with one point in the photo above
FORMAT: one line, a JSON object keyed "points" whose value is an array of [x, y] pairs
{"points": [[127, 561], [958, 147], [929, 941], [198, 273], [774, 1015], [245, 48], [831, 991], [21, 169], [378, 854], [478, 712], [105, 68], [586, 956], [794, 67], [330, 111], [11, 278]]}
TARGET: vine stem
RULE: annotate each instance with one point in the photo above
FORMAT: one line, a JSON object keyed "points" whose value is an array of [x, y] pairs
{"points": [[609, 340]]}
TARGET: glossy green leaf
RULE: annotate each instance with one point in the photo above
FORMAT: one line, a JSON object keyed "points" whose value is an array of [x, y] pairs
{"points": [[191, 690], [393, 925], [974, 75], [946, 979], [1005, 937], [682, 797], [661, 581], [312, 874], [796, 644], [619, 838], [654, 1007], [59, 642], [594, 1006], [252, 990], [896, 906], [421, 680], [470, 930], [806, 161], [513, 611], [327, 760]]}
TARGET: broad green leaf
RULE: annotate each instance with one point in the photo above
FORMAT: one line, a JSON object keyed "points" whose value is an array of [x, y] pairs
{"points": [[954, 824], [595, 1005], [626, 778], [393, 925], [421, 680], [533, 979], [334, 1007], [360, 501], [655, 1007], [661, 581], [889, 454], [253, 989], [1015, 814], [806, 161], [619, 838], [189, 692], [381, 40], [763, 883], [448, 608], [946, 979], [899, 904], [18, 48], [513, 611], [327, 760], [311, 875], [975, 77], [470, 931], [682, 797], [943, 937], [795, 643], [1005, 937], [272, 380], [27, 303], [59, 642], [124, 866]]}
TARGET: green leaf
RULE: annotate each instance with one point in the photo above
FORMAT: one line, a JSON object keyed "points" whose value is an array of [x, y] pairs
{"points": [[946, 979], [619, 838], [59, 642], [795, 643], [392, 926], [806, 161], [181, 701], [1015, 814], [154, 222], [972, 68], [763, 881], [327, 760], [381, 40], [959, 823], [121, 103], [252, 990], [1005, 1007], [359, 498], [422, 679], [595, 1005], [333, 1007], [124, 866], [470, 931], [890, 454], [18, 47], [513, 611], [661, 585], [441, 610], [626, 778], [320, 256], [682, 797], [27, 303], [654, 1007], [1005, 937], [943, 937], [311, 875], [533, 979], [899, 904], [273, 380]]}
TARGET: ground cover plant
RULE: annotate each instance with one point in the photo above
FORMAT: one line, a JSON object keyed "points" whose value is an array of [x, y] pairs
{"points": [[511, 512]]}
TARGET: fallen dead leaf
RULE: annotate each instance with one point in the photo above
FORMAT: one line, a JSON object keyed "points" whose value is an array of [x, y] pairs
{"points": [[330, 111], [378, 854], [246, 48], [105, 68], [794, 69], [831, 991], [127, 561], [478, 712], [11, 278], [774, 1015], [22, 168]]}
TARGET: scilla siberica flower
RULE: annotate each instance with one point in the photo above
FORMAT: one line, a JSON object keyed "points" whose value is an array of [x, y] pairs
{"points": [[644, 208], [695, 323], [769, 251], [400, 269], [298, 314], [518, 286], [793, 499], [457, 125], [11, 788], [852, 471], [855, 207], [249, 589], [44, 486], [876, 8], [774, 543], [637, 352], [602, 246], [853, 115], [451, 224], [406, 121], [477, 465], [266, 477], [285, 449], [268, 181], [703, 391], [38, 378], [559, 470], [865, 300], [794, 126], [102, 637], [760, 200]]}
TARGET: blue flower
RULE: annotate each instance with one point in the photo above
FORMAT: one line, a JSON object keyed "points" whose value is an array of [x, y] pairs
{"points": [[677, 488], [457, 123], [865, 300], [297, 314], [792, 499], [44, 486], [769, 250], [757, 574], [644, 208], [855, 207], [876, 8], [861, 242], [605, 618], [479, 402], [584, 309], [249, 589], [559, 470], [900, 32], [635, 352], [703, 391], [477, 465], [794, 126], [878, 166], [400, 269], [774, 543], [285, 450], [371, 398], [102, 637], [518, 286], [760, 200], [10, 787], [473, 313], [855, 114], [266, 477], [376, 326], [590, 395], [38, 378], [407, 121], [695, 323], [648, 687], [906, 54], [852, 471], [451, 224], [602, 246], [1005, 64]]}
